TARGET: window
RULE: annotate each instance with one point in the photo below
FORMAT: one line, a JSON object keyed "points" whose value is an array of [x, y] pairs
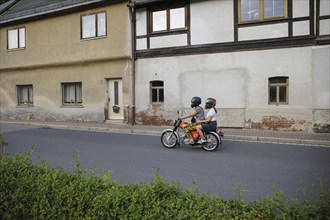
{"points": [[278, 90], [168, 19], [260, 10], [72, 94], [24, 95], [16, 38], [93, 25], [116, 92], [157, 91]]}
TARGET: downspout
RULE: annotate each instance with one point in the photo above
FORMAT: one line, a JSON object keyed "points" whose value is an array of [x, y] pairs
{"points": [[132, 15]]}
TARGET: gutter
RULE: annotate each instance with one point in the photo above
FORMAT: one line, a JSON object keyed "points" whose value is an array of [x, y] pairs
{"points": [[137, 4]]}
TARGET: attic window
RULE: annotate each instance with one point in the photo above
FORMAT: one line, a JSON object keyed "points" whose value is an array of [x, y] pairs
{"points": [[93, 25]]}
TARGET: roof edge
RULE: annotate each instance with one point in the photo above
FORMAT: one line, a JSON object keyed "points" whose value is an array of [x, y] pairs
{"points": [[141, 3], [5, 6]]}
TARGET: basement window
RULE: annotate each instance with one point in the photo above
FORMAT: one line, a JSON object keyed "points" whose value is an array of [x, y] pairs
{"points": [[157, 92], [72, 94], [16, 38], [278, 90], [24, 95], [93, 25]]}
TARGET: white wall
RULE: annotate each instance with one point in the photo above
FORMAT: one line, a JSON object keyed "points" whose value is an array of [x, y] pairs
{"points": [[300, 8], [324, 7], [263, 32], [321, 77], [325, 27], [301, 28], [212, 22], [240, 81], [169, 41], [141, 22]]}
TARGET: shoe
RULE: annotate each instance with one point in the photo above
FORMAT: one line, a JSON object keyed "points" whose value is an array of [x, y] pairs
{"points": [[201, 141]]}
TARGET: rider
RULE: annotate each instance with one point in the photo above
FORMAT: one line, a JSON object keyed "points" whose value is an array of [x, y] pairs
{"points": [[197, 114], [210, 123]]}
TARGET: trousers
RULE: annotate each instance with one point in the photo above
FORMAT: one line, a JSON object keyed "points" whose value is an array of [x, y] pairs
{"points": [[189, 128]]}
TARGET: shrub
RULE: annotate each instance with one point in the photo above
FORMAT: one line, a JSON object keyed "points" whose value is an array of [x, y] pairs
{"points": [[35, 191]]}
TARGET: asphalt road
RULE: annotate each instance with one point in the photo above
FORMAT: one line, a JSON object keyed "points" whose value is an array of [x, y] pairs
{"points": [[255, 167]]}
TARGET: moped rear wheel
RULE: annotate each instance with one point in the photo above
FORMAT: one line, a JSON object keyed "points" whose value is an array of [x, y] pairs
{"points": [[169, 139], [212, 142]]}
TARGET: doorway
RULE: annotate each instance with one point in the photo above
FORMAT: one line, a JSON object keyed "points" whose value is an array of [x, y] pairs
{"points": [[115, 99]]}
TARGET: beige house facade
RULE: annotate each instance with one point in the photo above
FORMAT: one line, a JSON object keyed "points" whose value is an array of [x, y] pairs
{"points": [[66, 60]]}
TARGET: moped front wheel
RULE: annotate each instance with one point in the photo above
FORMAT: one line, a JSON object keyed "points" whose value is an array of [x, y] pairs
{"points": [[169, 138], [212, 142]]}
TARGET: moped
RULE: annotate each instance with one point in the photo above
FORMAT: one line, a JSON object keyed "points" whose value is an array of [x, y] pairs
{"points": [[173, 136]]}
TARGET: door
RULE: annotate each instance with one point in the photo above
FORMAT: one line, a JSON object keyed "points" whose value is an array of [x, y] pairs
{"points": [[115, 97]]}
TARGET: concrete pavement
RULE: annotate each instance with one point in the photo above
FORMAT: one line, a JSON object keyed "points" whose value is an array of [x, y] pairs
{"points": [[267, 136]]}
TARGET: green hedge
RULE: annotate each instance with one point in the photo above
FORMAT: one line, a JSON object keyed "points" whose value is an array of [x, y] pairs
{"points": [[35, 191]]}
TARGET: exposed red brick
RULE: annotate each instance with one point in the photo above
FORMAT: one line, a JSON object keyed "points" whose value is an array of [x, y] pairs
{"points": [[274, 123], [146, 118]]}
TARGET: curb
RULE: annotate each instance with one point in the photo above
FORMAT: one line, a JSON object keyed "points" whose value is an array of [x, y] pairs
{"points": [[317, 143], [227, 137]]}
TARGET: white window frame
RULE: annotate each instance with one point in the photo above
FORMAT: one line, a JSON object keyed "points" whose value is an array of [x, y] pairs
{"points": [[96, 23], [16, 38]]}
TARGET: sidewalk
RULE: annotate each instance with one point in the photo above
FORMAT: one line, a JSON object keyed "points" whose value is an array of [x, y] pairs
{"points": [[285, 137]]}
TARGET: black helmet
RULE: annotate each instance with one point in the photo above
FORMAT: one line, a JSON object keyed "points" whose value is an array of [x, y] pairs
{"points": [[196, 101], [210, 102]]}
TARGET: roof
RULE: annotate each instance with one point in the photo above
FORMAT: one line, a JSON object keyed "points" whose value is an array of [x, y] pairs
{"points": [[25, 10], [6, 5]]}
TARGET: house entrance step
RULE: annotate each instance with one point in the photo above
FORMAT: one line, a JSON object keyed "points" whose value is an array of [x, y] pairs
{"points": [[115, 121]]}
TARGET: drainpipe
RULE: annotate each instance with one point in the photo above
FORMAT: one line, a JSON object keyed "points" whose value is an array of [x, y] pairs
{"points": [[132, 15]]}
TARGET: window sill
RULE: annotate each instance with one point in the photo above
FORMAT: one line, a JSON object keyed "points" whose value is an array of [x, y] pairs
{"points": [[171, 32], [72, 106], [277, 104], [261, 22], [16, 49], [24, 106], [93, 38]]}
